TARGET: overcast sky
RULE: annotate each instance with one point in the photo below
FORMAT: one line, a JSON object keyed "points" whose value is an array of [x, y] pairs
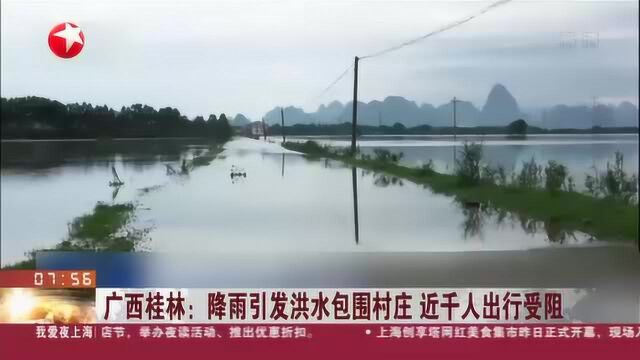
{"points": [[248, 56]]}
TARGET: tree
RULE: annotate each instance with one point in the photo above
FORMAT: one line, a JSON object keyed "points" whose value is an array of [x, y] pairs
{"points": [[41, 118], [518, 127], [199, 121], [398, 126], [224, 129]]}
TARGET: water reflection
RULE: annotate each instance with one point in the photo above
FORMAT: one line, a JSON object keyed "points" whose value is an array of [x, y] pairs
{"points": [[478, 215], [473, 221], [237, 174], [50, 155], [313, 208], [402, 231], [283, 163], [114, 193], [382, 179], [49, 183], [354, 181], [479, 220]]}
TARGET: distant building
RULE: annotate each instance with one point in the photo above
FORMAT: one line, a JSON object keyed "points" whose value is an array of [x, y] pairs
{"points": [[255, 129]]}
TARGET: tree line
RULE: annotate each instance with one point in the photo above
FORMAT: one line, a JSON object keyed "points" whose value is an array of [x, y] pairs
{"points": [[41, 118], [518, 127]]}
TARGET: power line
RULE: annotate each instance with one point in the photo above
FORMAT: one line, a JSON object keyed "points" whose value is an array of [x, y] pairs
{"points": [[438, 31], [414, 41], [334, 82]]}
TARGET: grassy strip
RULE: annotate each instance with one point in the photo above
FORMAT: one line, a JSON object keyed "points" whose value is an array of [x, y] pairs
{"points": [[105, 229], [206, 158], [605, 219]]}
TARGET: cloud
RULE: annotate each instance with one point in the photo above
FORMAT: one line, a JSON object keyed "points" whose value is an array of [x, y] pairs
{"points": [[249, 56]]}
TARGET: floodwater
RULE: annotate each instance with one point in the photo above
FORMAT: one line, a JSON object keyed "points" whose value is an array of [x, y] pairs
{"points": [[285, 203], [288, 221], [580, 153]]}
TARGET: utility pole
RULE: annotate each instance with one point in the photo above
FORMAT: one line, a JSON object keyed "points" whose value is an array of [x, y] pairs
{"points": [[264, 130], [282, 119], [455, 130], [354, 118], [593, 112], [454, 117]]}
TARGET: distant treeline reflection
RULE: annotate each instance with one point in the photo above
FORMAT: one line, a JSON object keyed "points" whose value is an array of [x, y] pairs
{"points": [[134, 153]]}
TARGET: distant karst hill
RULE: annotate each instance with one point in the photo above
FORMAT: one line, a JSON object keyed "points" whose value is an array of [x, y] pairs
{"points": [[240, 121], [500, 109]]}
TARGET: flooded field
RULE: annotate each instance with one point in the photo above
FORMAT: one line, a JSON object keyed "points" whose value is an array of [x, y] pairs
{"points": [[262, 216], [284, 202], [579, 153]]}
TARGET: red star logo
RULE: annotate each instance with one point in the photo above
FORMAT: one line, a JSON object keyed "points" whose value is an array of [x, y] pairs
{"points": [[66, 40]]}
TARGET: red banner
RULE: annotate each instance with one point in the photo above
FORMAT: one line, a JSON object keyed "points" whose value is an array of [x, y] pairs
{"points": [[319, 341]]}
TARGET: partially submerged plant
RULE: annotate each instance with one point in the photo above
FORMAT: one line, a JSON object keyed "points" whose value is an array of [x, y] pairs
{"points": [[570, 185], [387, 156], [427, 168], [555, 176], [501, 176], [614, 183], [530, 175], [468, 166]]}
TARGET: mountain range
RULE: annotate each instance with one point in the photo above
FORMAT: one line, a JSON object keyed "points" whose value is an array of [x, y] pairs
{"points": [[499, 109]]}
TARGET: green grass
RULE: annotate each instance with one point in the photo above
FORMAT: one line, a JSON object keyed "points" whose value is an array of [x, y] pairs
{"points": [[206, 158], [106, 228], [603, 218], [103, 229]]}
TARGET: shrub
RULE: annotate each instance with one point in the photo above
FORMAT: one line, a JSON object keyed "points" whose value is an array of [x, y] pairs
{"points": [[555, 176], [614, 183], [570, 185], [488, 174], [591, 183], [518, 127], [495, 176], [501, 176], [309, 147], [426, 168], [386, 156], [468, 166], [312, 147], [530, 175]]}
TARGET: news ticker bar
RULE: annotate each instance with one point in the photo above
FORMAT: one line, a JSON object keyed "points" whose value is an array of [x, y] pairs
{"points": [[322, 341], [306, 331], [48, 279]]}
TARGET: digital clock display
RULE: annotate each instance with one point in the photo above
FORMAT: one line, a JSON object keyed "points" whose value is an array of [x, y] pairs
{"points": [[65, 279], [48, 279]]}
